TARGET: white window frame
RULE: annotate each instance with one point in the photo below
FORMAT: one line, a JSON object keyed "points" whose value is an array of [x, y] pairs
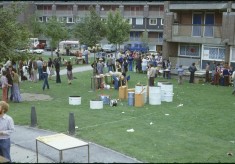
{"points": [[199, 50], [40, 19], [68, 18], [78, 19], [47, 19], [152, 19], [210, 46], [232, 54], [139, 21], [162, 21], [205, 23], [62, 19], [104, 19], [192, 22]]}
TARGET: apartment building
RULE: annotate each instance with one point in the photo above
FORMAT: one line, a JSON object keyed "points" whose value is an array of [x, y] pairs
{"points": [[199, 31], [142, 15]]}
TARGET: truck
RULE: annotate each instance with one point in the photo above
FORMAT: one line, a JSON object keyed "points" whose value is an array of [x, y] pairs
{"points": [[68, 48]]}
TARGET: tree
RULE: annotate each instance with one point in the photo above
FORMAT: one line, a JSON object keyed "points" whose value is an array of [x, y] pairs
{"points": [[13, 35], [91, 29], [56, 31], [36, 27], [117, 28]]}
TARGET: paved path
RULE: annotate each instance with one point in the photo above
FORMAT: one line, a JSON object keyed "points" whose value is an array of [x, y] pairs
{"points": [[23, 148]]}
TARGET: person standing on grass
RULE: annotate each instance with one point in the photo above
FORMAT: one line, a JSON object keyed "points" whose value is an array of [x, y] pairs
{"points": [[100, 70], [130, 62], [50, 66], [217, 74], [5, 86], [233, 78], [151, 74], [15, 87], [192, 69], [40, 63], [34, 71], [45, 73], [69, 72], [57, 70], [180, 71], [6, 128], [207, 72]]}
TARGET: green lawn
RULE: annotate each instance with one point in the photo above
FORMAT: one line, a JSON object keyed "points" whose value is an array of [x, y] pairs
{"points": [[199, 131]]}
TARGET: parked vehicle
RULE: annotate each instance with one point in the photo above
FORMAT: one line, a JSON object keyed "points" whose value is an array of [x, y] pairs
{"points": [[109, 48], [137, 46], [35, 51], [68, 47], [48, 48]]}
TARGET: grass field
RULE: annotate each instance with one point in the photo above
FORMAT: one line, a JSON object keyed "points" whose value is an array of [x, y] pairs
{"points": [[202, 130]]}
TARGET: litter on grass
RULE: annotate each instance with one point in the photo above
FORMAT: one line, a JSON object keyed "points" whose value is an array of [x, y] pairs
{"points": [[232, 142], [167, 114], [76, 127], [130, 130], [180, 105], [151, 123], [123, 112], [230, 154]]}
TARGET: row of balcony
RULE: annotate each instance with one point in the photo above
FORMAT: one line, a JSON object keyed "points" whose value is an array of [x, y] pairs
{"points": [[102, 13]]}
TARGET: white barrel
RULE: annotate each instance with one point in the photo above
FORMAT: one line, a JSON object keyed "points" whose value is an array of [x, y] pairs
{"points": [[75, 100], [96, 104], [167, 92], [159, 83], [155, 95], [168, 97]]}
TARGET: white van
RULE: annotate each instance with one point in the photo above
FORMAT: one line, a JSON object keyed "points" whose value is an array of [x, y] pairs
{"points": [[68, 47]]}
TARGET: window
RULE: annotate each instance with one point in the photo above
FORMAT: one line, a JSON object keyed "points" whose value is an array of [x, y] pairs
{"points": [[70, 20], [40, 19], [162, 21], [47, 19], [152, 21], [215, 53], [189, 50], [103, 20], [62, 19], [139, 21], [232, 57], [78, 19]]}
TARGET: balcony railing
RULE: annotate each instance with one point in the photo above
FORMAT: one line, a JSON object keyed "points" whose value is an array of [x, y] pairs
{"points": [[206, 31], [156, 40], [134, 13]]}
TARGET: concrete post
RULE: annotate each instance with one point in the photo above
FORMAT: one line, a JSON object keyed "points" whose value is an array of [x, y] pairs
{"points": [[71, 124], [33, 117]]}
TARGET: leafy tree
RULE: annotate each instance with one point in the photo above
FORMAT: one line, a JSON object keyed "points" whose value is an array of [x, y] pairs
{"points": [[13, 34], [117, 28], [36, 27], [56, 31], [91, 29]]}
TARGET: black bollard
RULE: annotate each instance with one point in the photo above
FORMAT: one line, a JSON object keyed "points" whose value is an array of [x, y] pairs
{"points": [[33, 117], [71, 124]]}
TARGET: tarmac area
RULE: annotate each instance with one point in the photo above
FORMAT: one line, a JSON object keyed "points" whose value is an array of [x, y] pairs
{"points": [[23, 146], [23, 150]]}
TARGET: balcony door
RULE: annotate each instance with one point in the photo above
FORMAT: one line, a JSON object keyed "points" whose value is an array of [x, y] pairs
{"points": [[197, 22], [209, 24]]}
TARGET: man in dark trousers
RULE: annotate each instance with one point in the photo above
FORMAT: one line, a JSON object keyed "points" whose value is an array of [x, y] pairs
{"points": [[192, 69]]}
